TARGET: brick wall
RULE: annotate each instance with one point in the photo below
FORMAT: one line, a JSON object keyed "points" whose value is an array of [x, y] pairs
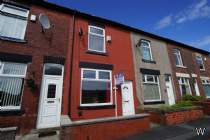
{"points": [[105, 130], [176, 117], [205, 106], [189, 61], [183, 116]]}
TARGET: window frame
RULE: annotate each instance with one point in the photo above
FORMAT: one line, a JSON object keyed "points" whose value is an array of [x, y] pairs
{"points": [[204, 82], [13, 15], [15, 76], [96, 79], [53, 64], [179, 56], [186, 82], [154, 82], [202, 60], [149, 47], [104, 43]]}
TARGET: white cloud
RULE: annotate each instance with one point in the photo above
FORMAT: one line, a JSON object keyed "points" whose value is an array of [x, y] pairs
{"points": [[194, 11], [201, 9], [203, 42], [164, 22]]}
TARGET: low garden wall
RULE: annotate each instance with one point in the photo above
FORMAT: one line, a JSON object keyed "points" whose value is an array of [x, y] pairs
{"points": [[175, 117], [205, 105], [105, 129]]}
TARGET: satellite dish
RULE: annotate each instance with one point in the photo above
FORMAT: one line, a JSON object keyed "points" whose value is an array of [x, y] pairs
{"points": [[45, 22]]}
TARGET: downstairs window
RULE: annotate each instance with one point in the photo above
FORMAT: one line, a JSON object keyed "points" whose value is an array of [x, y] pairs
{"points": [[11, 85], [96, 87], [184, 85], [151, 88], [206, 86]]}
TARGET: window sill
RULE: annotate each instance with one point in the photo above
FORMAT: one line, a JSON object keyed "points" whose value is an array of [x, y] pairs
{"points": [[11, 112], [181, 67], [202, 70], [148, 61], [12, 39], [153, 102], [97, 53], [96, 107]]}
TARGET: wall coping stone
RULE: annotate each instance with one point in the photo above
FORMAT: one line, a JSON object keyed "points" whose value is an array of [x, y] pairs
{"points": [[107, 119], [156, 110], [8, 129]]}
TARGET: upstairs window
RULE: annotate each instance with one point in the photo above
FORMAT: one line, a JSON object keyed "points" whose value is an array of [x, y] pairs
{"points": [[146, 50], [184, 85], [96, 41], [151, 88], [178, 57], [11, 85], [13, 21], [200, 62], [96, 87]]}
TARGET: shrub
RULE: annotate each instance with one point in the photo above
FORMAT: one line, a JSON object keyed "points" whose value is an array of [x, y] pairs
{"points": [[192, 98], [179, 106], [182, 104]]}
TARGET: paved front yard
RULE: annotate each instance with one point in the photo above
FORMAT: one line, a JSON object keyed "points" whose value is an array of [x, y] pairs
{"points": [[185, 131]]}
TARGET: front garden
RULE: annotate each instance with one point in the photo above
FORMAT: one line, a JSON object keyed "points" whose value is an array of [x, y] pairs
{"points": [[186, 110]]}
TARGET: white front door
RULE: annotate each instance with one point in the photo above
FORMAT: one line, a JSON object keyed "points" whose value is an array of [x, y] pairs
{"points": [[50, 100], [169, 90], [196, 88], [127, 99]]}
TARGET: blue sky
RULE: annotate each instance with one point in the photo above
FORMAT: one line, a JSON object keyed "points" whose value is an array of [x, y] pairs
{"points": [[186, 21]]}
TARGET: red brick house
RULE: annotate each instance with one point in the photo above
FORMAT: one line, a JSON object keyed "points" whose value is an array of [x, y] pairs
{"points": [[190, 68], [28, 58], [96, 61], [42, 82]]}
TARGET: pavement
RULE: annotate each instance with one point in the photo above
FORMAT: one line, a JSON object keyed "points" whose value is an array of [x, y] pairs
{"points": [[185, 131]]}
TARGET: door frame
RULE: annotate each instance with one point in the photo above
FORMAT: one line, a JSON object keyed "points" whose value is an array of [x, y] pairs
{"points": [[196, 87], [172, 86], [132, 98], [44, 77]]}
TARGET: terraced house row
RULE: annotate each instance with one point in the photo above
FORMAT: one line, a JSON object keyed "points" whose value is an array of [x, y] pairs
{"points": [[69, 71]]}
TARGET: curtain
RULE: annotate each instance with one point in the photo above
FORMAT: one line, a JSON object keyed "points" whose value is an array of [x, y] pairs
{"points": [[146, 53], [207, 90], [10, 91], [14, 69], [96, 42], [12, 27], [151, 92]]}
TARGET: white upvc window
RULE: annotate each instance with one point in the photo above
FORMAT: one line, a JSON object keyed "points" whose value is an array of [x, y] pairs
{"points": [[200, 62], [151, 88], [146, 51], [178, 58], [96, 39], [184, 86], [206, 86], [13, 21], [11, 85], [96, 87]]}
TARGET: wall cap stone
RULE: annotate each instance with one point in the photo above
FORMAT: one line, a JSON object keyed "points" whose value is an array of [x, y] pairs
{"points": [[108, 119]]}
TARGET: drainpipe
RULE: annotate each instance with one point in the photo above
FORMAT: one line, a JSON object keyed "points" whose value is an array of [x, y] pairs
{"points": [[71, 63]]}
